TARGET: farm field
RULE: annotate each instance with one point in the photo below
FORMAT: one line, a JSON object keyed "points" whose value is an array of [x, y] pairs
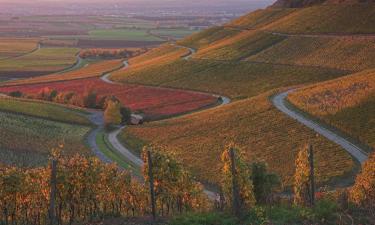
{"points": [[263, 133], [27, 141], [42, 61], [92, 70], [347, 103], [123, 34], [43, 110], [172, 33], [154, 102], [16, 47]]}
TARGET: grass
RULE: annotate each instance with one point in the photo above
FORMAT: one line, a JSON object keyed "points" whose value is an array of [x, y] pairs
{"points": [[114, 155], [264, 133], [43, 60], [42, 110], [31, 139], [343, 53], [16, 47], [92, 70], [346, 103]]}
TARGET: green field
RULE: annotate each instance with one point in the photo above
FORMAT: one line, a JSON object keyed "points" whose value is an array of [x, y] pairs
{"points": [[43, 110], [173, 33], [123, 34], [43, 60]]}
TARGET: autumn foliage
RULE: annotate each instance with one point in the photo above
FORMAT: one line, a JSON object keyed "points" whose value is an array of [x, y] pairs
{"points": [[110, 53], [363, 191], [301, 178]]}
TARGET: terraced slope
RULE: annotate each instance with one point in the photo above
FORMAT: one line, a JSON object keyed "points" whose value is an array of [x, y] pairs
{"points": [[42, 61], [347, 103], [29, 131]]}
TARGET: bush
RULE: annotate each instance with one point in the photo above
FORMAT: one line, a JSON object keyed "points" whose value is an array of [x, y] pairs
{"points": [[16, 94], [204, 218], [325, 210], [264, 182], [112, 114], [125, 115]]}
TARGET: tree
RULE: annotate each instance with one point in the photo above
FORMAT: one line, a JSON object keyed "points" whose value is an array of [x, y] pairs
{"points": [[125, 115], [264, 182], [112, 113], [242, 178], [89, 99], [363, 191], [302, 178]]}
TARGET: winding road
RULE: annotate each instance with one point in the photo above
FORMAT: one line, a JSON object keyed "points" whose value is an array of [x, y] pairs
{"points": [[279, 101], [96, 117]]}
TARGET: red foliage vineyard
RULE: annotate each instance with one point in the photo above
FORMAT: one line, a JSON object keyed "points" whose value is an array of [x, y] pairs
{"points": [[154, 102]]}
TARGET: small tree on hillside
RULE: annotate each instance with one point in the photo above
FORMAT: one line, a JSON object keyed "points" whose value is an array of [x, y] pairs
{"points": [[112, 113], [264, 183], [363, 191], [302, 178], [125, 115]]}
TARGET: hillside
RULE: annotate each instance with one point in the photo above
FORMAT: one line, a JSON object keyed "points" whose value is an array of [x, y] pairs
{"points": [[347, 103], [245, 59]]}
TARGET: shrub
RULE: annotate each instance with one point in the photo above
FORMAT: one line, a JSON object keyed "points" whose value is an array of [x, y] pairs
{"points": [[125, 115], [204, 218], [112, 114], [89, 99], [16, 94], [264, 182], [243, 182]]}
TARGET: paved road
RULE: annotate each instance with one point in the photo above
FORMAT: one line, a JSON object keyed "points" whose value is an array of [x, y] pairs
{"points": [[356, 151], [106, 76]]}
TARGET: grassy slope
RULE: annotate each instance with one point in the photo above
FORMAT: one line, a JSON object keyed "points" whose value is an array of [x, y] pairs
{"points": [[45, 59], [16, 47], [43, 110], [347, 103]]}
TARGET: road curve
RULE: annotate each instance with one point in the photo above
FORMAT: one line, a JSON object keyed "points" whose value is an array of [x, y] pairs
{"points": [[279, 101]]}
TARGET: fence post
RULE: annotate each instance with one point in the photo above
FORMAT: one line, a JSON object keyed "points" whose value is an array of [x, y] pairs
{"points": [[53, 192], [236, 198], [312, 178], [151, 178]]}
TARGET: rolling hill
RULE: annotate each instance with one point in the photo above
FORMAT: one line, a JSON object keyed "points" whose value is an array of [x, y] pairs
{"points": [[248, 60]]}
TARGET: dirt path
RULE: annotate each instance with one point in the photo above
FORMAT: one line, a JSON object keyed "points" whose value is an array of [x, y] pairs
{"points": [[279, 101]]}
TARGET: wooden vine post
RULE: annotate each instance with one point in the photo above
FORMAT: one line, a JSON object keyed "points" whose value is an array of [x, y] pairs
{"points": [[236, 196], [53, 192], [312, 175], [152, 191]]}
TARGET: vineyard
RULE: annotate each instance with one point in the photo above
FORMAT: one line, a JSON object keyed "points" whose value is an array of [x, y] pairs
{"points": [[16, 47], [250, 79], [152, 101], [344, 53], [346, 103], [86, 189], [26, 141], [263, 133]]}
